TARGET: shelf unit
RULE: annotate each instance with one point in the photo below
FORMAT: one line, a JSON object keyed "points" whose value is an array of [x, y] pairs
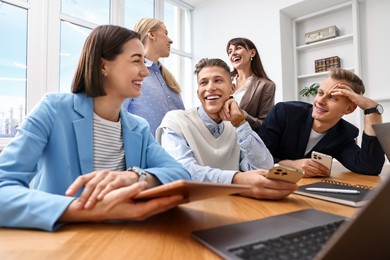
{"points": [[348, 37], [341, 15], [298, 70]]}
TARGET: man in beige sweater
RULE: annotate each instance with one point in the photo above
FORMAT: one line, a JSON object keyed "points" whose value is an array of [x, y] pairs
{"points": [[214, 142]]}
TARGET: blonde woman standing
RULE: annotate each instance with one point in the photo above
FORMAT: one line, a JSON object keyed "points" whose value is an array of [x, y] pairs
{"points": [[254, 91], [160, 90]]}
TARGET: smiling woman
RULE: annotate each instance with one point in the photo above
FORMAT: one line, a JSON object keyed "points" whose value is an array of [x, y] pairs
{"points": [[36, 30], [80, 148], [254, 90]]}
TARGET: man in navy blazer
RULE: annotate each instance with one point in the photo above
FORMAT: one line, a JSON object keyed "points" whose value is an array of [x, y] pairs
{"points": [[292, 130]]}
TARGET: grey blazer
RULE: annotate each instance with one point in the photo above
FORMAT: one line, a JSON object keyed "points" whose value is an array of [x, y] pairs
{"points": [[258, 101]]}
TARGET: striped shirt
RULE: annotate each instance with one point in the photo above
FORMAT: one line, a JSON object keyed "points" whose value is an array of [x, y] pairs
{"points": [[108, 149]]}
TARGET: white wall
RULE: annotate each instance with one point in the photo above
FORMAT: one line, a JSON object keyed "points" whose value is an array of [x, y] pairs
{"points": [[215, 22], [375, 46]]}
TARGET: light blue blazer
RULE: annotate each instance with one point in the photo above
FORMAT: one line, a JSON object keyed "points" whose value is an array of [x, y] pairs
{"points": [[53, 147]]}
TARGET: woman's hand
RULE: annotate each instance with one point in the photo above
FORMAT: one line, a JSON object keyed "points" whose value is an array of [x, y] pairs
{"points": [[119, 205], [97, 184]]}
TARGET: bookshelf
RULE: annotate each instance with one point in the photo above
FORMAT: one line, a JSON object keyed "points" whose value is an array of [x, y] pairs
{"points": [[298, 70]]}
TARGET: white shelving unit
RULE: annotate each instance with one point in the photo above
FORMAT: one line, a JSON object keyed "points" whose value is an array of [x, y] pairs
{"points": [[343, 46], [298, 58], [341, 38]]}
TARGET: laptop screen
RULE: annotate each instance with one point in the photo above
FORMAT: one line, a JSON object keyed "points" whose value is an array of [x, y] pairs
{"points": [[382, 132]]}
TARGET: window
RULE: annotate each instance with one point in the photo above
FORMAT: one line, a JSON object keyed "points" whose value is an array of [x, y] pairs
{"points": [[137, 9], [45, 38], [94, 11], [72, 40], [13, 67], [78, 18], [177, 20]]}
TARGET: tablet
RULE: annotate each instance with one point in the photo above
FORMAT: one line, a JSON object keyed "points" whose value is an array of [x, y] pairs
{"points": [[192, 190]]}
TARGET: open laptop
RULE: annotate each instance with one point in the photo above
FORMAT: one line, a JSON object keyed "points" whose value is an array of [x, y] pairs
{"points": [[382, 132], [364, 236]]}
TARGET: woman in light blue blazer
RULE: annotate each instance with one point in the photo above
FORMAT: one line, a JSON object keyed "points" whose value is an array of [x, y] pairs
{"points": [[75, 148]]}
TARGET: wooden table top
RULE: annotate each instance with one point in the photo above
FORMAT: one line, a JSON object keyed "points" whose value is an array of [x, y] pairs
{"points": [[167, 235]]}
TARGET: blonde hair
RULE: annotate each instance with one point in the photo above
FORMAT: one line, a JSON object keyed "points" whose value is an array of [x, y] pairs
{"points": [[351, 78], [145, 26]]}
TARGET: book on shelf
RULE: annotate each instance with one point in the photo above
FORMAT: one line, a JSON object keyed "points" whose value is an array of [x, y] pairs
{"points": [[356, 199]]}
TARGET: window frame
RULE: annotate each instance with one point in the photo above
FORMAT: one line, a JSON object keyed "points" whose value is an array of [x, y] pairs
{"points": [[32, 77], [188, 88], [43, 48]]}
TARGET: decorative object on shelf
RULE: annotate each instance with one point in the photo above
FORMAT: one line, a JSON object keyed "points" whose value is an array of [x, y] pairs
{"points": [[325, 64], [322, 34], [307, 92]]}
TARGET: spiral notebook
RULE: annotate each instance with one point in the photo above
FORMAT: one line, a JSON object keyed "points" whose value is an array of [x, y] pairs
{"points": [[353, 200]]}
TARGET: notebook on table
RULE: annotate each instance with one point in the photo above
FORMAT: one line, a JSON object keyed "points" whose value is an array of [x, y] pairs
{"points": [[350, 199], [355, 200]]}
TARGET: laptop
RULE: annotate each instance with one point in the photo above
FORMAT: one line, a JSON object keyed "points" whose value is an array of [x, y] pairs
{"points": [[382, 132], [364, 236]]}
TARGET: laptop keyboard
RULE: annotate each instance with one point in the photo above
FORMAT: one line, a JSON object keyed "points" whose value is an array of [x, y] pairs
{"points": [[300, 245]]}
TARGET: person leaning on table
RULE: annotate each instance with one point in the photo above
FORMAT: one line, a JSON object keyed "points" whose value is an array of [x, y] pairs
{"points": [[292, 130], [65, 144], [214, 142]]}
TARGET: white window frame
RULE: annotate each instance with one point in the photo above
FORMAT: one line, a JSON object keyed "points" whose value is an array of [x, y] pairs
{"points": [[43, 49], [188, 88]]}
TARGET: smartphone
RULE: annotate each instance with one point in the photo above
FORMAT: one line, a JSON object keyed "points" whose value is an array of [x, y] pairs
{"points": [[285, 173], [323, 159]]}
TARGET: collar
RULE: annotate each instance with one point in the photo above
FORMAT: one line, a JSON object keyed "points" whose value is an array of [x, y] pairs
{"points": [[151, 64], [211, 125]]}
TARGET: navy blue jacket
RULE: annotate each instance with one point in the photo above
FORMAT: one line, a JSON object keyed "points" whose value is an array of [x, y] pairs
{"points": [[286, 131]]}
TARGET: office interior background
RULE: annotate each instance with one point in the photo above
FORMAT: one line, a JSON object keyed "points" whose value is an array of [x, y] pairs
{"points": [[41, 41]]}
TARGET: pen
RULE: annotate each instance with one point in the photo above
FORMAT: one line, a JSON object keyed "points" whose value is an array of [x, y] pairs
{"points": [[334, 190]]}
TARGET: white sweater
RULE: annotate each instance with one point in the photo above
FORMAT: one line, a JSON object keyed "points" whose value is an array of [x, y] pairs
{"points": [[222, 152]]}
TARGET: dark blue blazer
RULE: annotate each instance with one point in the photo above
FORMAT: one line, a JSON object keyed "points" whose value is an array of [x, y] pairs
{"points": [[286, 131]]}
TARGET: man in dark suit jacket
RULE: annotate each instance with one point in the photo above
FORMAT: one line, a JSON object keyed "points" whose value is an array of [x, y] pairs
{"points": [[292, 130]]}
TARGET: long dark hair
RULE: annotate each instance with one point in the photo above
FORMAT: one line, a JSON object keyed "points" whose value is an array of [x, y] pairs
{"points": [[256, 64], [104, 42]]}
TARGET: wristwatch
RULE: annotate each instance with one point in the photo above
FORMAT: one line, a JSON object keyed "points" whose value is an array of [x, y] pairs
{"points": [[378, 109], [237, 120], [141, 173]]}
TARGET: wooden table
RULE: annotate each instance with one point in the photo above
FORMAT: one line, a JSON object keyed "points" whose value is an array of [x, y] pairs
{"points": [[166, 236]]}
